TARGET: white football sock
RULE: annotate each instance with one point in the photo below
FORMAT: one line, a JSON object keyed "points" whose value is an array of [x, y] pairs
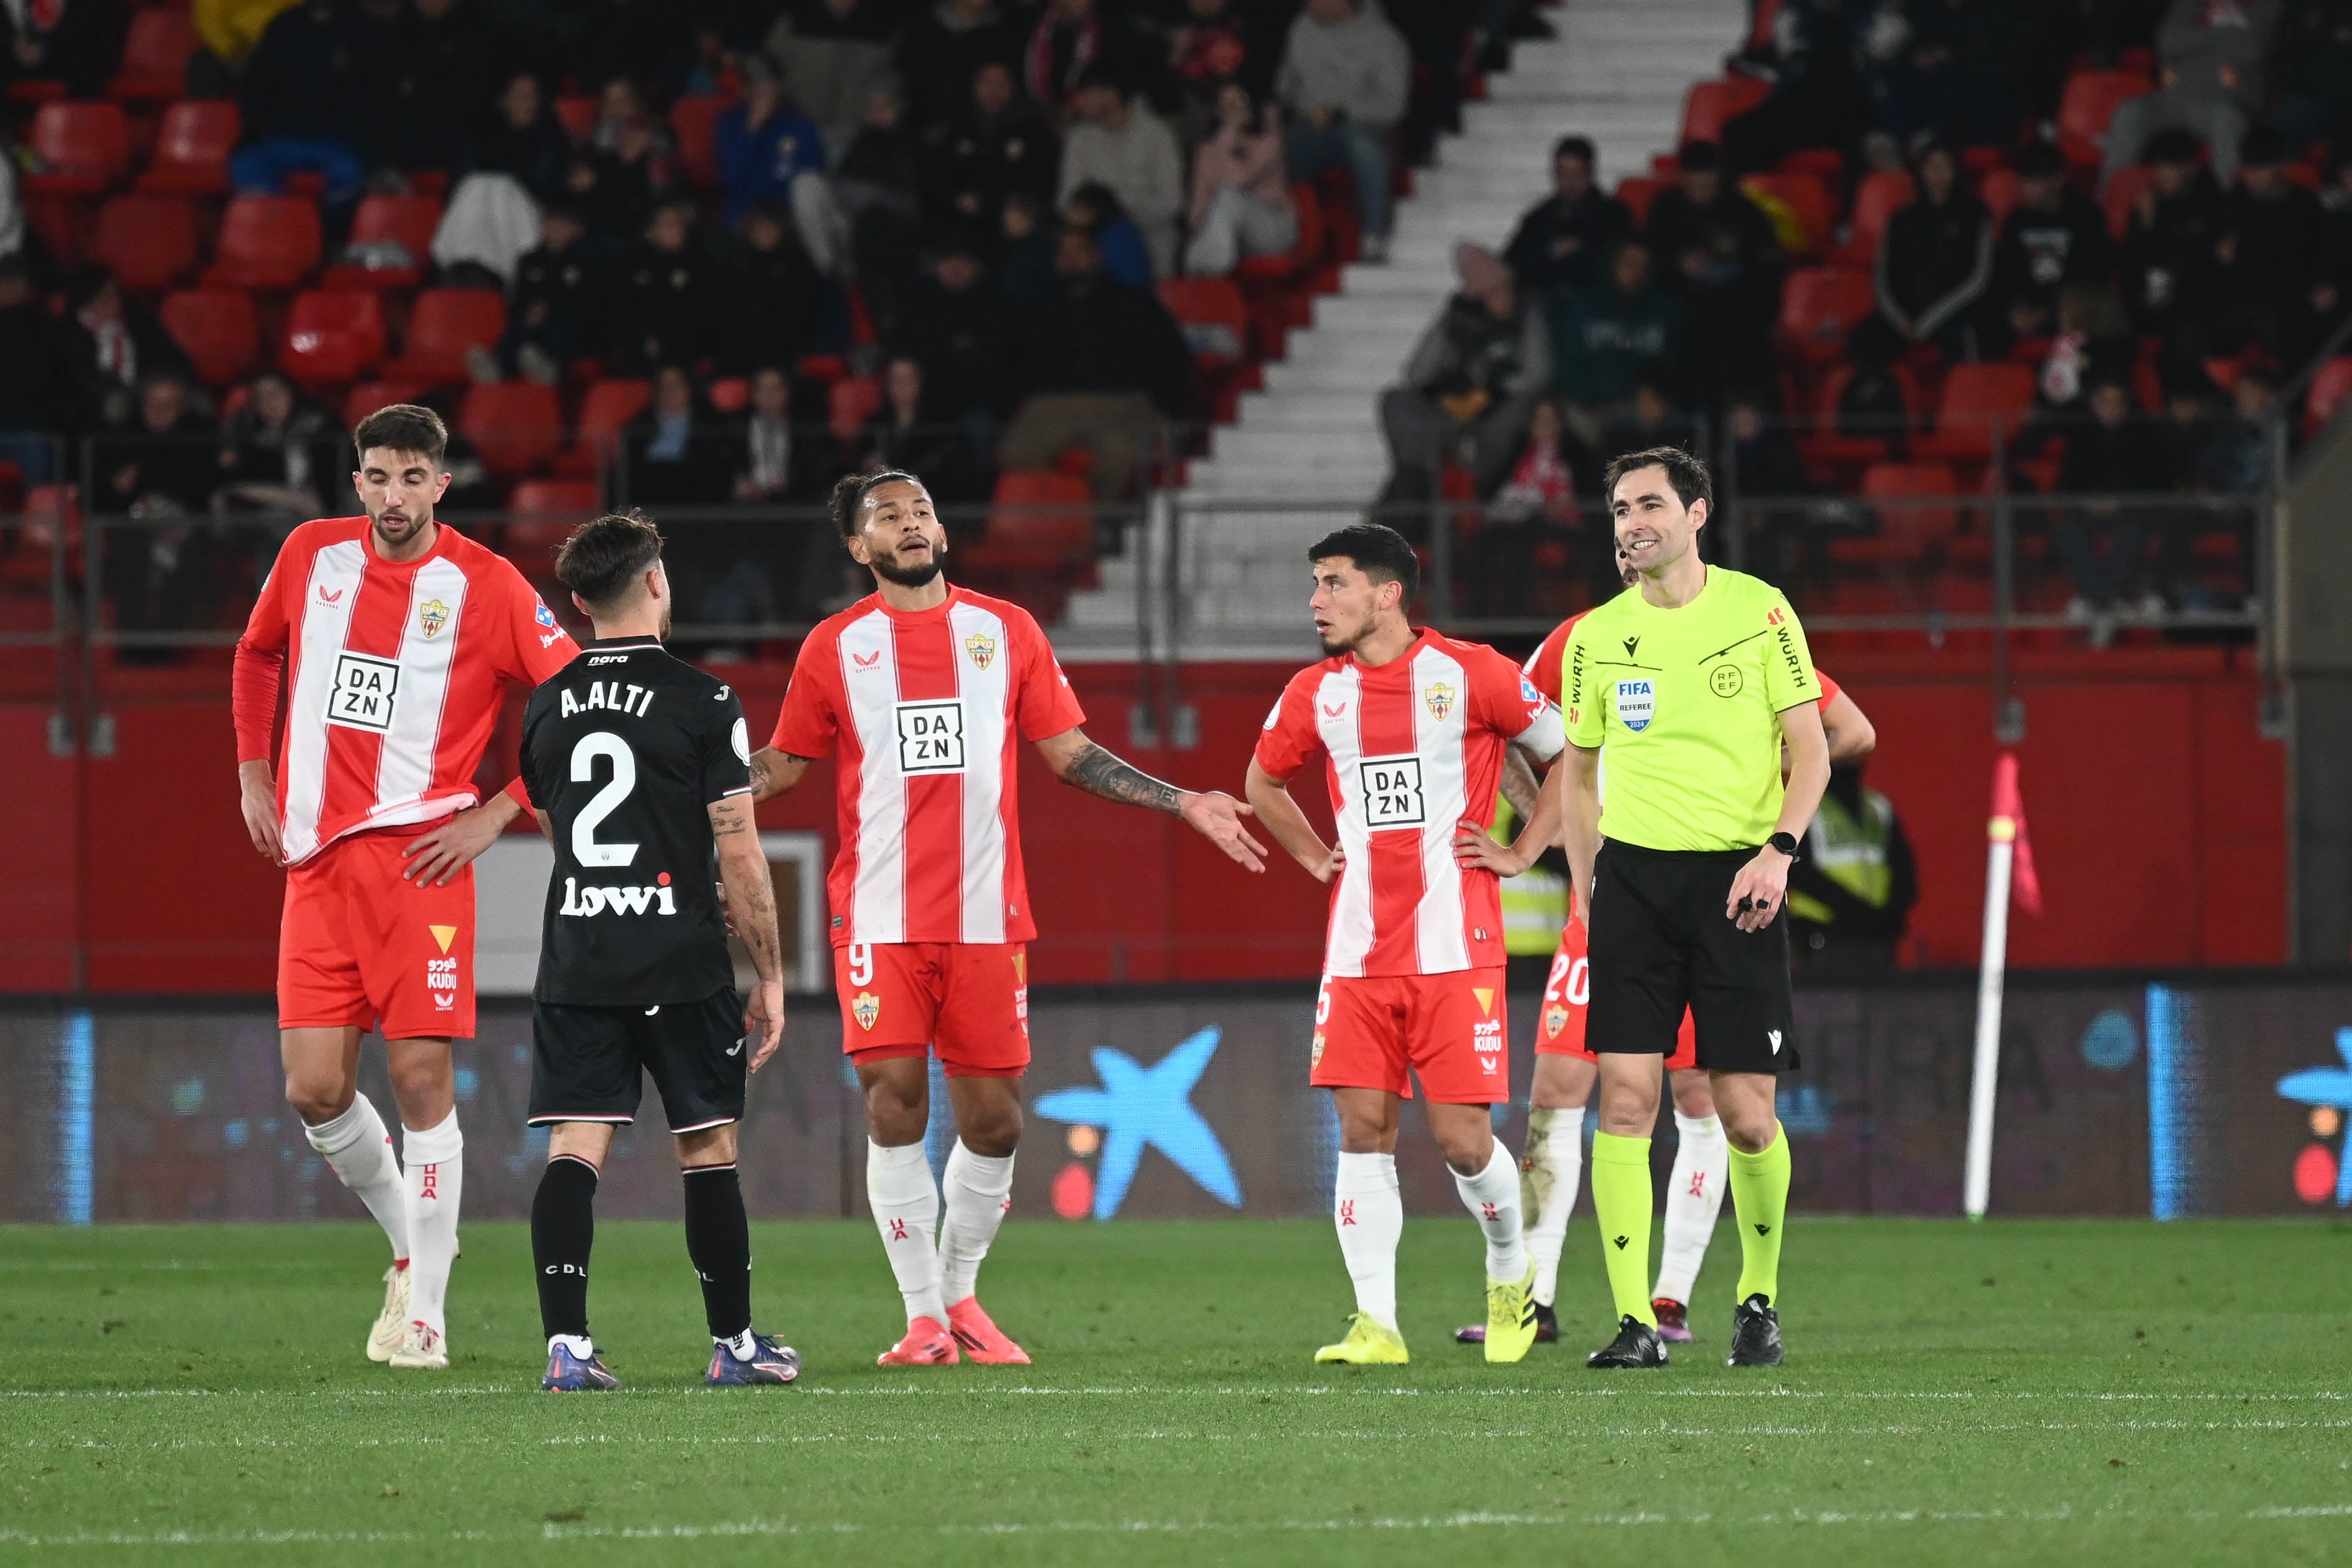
{"points": [[1548, 1178], [434, 1160], [906, 1205], [1693, 1198], [1492, 1196], [579, 1345], [1369, 1213], [978, 1192], [359, 1151]]}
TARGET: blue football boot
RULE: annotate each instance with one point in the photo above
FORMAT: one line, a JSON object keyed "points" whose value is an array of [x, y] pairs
{"points": [[768, 1363], [569, 1373]]}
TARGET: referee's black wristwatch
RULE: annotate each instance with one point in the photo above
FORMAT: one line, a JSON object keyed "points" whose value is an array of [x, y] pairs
{"points": [[1786, 843]]}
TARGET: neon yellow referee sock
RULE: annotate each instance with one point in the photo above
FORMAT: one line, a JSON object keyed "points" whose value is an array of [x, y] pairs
{"points": [[1620, 1197], [1759, 1196]]}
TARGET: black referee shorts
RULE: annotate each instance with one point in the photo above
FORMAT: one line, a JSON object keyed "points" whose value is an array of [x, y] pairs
{"points": [[1661, 943], [587, 1064]]}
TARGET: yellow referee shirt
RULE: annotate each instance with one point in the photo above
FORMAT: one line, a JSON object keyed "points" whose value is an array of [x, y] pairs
{"points": [[1684, 706]]}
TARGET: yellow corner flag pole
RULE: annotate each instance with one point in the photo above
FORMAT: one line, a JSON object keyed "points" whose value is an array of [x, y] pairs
{"points": [[2006, 842]]}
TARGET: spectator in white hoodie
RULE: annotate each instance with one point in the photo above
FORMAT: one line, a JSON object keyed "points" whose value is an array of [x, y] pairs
{"points": [[1241, 197], [1118, 142], [1345, 74]]}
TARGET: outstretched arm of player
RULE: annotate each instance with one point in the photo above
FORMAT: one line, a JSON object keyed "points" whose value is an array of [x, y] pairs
{"points": [[751, 915], [433, 858], [1270, 797], [1473, 846], [1213, 815], [774, 771]]}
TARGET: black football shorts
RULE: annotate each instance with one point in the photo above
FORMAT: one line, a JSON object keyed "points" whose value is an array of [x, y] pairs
{"points": [[587, 1064], [1661, 943]]}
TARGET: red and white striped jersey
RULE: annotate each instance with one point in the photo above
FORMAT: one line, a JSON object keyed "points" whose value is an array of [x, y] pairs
{"points": [[1416, 748], [925, 707], [396, 674]]}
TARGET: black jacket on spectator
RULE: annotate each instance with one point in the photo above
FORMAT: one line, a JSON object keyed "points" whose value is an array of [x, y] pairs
{"points": [[704, 475], [45, 384], [936, 451], [1732, 227], [2280, 246], [980, 161], [771, 302], [301, 81], [2040, 252], [2168, 262], [1932, 253], [961, 342], [535, 156], [562, 299], [179, 467], [1595, 225], [2132, 459], [449, 71], [1094, 334], [940, 58], [666, 301]]}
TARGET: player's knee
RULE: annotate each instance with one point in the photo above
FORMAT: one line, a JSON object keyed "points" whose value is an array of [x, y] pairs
{"points": [[1748, 1132], [1468, 1152], [896, 1115], [1693, 1097], [993, 1133], [318, 1099]]}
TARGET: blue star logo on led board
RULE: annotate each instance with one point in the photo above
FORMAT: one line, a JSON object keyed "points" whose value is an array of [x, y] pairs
{"points": [[1139, 1106]]}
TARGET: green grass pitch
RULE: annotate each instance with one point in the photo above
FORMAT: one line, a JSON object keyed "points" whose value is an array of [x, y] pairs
{"points": [[2060, 1391]]}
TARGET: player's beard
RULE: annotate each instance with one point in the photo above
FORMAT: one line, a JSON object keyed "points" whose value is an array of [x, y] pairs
{"points": [[414, 525], [886, 567]]}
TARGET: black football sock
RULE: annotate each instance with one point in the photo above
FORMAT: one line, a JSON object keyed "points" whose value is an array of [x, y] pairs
{"points": [[563, 1229], [718, 1240]]}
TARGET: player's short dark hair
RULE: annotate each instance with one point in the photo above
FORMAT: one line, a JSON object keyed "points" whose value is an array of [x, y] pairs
{"points": [[1687, 474], [604, 557], [403, 427], [1574, 147], [850, 497], [1379, 551]]}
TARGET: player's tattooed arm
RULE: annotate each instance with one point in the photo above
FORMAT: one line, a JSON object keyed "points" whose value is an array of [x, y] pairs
{"points": [[1519, 785], [1214, 816], [751, 903], [774, 771]]}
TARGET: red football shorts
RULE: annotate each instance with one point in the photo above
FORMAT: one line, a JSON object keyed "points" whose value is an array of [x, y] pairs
{"points": [[1451, 1030], [1560, 1026], [358, 948], [968, 1001]]}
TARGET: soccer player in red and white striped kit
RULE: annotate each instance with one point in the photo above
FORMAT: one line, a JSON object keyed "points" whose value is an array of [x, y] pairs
{"points": [[922, 689], [393, 635]]}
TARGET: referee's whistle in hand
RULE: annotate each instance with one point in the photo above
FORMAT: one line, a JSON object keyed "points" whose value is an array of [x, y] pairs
{"points": [[1758, 891]]}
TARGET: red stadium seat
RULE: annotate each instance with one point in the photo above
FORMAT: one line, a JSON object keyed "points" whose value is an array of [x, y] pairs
{"points": [[443, 325], [516, 426], [1818, 305], [577, 114], [79, 149], [1041, 518], [2330, 389], [266, 242], [1808, 199], [192, 149], [694, 121], [1828, 449], [1976, 399], [1900, 481], [50, 509], [542, 512], [405, 221], [332, 335], [370, 395], [1710, 104], [215, 329], [1998, 193], [850, 403], [2085, 106], [2123, 195], [1827, 163], [1638, 191], [1213, 318], [149, 243], [155, 55], [608, 406], [1876, 200]]}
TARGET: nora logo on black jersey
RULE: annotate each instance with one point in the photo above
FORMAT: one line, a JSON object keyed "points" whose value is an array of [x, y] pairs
{"points": [[659, 899]]}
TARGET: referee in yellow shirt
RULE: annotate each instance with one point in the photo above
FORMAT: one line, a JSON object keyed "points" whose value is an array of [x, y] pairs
{"points": [[1689, 683]]}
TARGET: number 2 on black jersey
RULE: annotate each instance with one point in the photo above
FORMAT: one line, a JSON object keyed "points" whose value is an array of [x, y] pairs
{"points": [[602, 805]]}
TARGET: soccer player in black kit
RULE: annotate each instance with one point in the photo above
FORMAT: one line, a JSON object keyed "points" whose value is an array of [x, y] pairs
{"points": [[638, 766]]}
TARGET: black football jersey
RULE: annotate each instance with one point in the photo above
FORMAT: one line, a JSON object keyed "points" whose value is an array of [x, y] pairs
{"points": [[626, 749]]}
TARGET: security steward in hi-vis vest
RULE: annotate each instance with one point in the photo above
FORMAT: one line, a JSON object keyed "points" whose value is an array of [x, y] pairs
{"points": [[1535, 902], [1851, 891]]}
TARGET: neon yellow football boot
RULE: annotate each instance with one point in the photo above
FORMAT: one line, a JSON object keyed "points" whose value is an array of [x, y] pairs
{"points": [[1510, 1318], [1368, 1343]]}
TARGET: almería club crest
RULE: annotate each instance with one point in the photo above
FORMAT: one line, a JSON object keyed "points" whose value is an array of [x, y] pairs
{"points": [[431, 616], [1440, 697], [982, 650]]}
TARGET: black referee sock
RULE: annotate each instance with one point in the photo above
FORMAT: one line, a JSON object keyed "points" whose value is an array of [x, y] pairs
{"points": [[718, 1240], [563, 1229]]}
